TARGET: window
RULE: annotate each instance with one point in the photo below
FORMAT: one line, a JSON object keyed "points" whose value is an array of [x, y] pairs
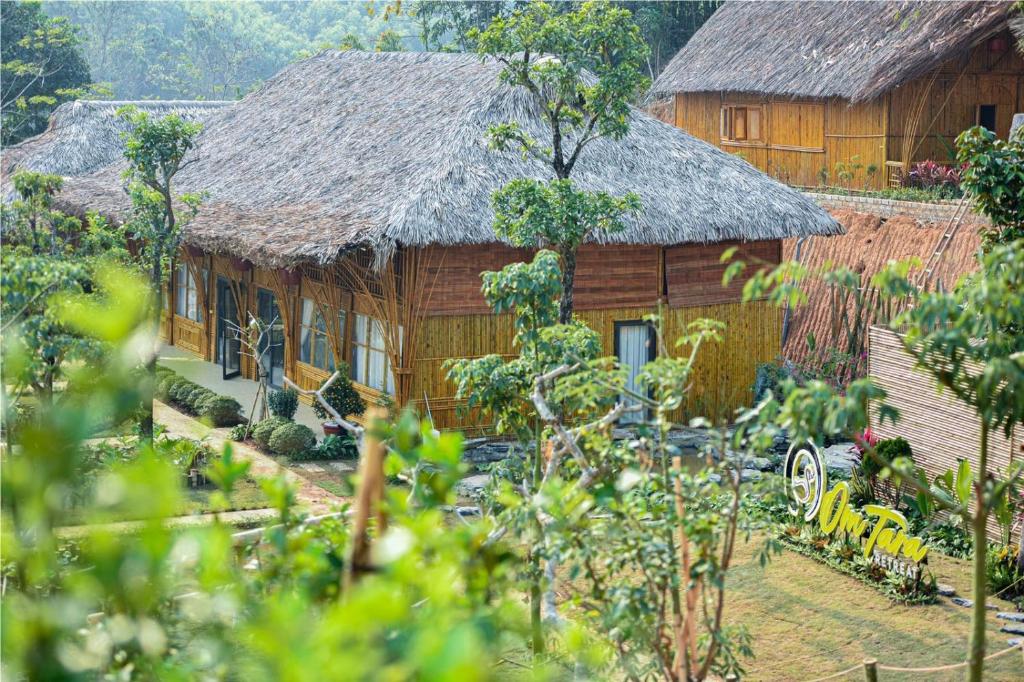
{"points": [[370, 363], [986, 116], [741, 124], [187, 303], [314, 343]]}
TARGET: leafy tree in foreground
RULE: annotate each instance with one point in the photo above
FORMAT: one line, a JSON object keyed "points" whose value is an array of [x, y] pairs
{"points": [[187, 603], [968, 341], [157, 150], [994, 181], [40, 67], [582, 68]]}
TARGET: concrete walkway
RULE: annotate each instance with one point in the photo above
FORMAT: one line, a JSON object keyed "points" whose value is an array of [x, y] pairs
{"points": [[308, 495], [210, 375]]}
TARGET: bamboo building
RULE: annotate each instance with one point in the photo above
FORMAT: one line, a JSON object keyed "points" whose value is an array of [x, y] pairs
{"points": [[348, 200], [846, 93]]}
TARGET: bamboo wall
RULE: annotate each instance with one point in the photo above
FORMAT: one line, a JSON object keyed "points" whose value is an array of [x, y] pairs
{"points": [[721, 383], [807, 141], [614, 283], [941, 430]]}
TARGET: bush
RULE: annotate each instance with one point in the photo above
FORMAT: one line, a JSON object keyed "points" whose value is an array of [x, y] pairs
{"points": [[163, 386], [342, 396], [181, 391], [261, 432], [892, 449], [239, 432], [332, 447], [291, 439], [221, 410], [284, 403], [198, 397], [1003, 575]]}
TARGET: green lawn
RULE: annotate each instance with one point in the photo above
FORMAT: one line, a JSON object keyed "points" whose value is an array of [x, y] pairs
{"points": [[809, 621], [246, 495]]}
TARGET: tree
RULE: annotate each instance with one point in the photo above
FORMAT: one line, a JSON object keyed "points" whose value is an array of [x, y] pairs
{"points": [[582, 68], [994, 181], [968, 340], [156, 151], [40, 67]]}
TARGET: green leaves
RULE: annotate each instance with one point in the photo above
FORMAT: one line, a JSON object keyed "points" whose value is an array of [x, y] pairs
{"points": [[532, 213], [993, 179]]}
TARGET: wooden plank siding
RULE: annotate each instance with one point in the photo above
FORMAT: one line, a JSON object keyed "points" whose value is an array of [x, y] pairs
{"points": [[694, 271], [941, 430], [807, 139]]}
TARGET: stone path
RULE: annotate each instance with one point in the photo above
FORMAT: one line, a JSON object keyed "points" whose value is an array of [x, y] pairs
{"points": [[243, 517], [308, 495]]}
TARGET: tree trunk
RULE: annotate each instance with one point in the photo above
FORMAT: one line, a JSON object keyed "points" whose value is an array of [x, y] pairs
{"points": [[568, 276], [977, 647], [146, 423]]}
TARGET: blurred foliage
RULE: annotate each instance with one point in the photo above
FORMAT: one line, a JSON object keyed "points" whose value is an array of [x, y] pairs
{"points": [[180, 604], [993, 180]]}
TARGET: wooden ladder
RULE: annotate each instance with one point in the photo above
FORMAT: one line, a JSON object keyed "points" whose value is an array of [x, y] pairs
{"points": [[924, 278]]}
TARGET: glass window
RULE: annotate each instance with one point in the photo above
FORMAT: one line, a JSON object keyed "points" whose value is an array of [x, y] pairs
{"points": [[370, 363], [187, 295], [741, 124], [314, 345]]}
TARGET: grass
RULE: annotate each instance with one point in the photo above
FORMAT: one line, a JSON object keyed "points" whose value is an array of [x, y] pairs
{"points": [[246, 495], [808, 621]]}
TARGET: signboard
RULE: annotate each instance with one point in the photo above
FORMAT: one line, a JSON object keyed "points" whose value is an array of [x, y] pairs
{"points": [[888, 543]]}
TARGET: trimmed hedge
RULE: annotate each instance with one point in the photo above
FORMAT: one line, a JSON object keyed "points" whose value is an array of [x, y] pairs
{"points": [[292, 439], [284, 403], [262, 432], [221, 410]]}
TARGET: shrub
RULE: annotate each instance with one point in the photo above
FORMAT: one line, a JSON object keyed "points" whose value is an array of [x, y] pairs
{"points": [[181, 391], [283, 403], [332, 447], [342, 396], [291, 439], [261, 432], [1003, 574], [221, 410], [163, 386], [891, 449], [198, 397], [240, 432]]}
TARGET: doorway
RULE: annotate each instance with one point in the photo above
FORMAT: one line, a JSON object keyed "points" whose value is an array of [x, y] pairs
{"points": [[634, 348], [228, 347], [272, 345]]}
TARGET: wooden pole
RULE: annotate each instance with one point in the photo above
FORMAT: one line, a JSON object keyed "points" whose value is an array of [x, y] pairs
{"points": [[870, 670], [367, 503]]}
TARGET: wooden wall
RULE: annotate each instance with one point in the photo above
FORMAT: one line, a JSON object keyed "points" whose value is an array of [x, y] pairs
{"points": [[941, 430], [614, 283], [806, 139], [694, 271]]}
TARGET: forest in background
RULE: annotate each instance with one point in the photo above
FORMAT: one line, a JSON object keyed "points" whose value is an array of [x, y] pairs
{"points": [[221, 50]]}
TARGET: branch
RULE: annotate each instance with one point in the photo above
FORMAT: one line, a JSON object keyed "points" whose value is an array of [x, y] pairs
{"points": [[356, 431]]}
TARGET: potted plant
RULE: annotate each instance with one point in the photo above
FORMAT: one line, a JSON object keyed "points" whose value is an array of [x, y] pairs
{"points": [[341, 396]]}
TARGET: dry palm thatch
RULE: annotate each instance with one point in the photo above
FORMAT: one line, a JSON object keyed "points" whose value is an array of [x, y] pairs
{"points": [[382, 150], [85, 136], [853, 50]]}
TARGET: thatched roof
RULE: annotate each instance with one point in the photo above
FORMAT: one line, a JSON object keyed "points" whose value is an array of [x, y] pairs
{"points": [[85, 135], [353, 149], [853, 50]]}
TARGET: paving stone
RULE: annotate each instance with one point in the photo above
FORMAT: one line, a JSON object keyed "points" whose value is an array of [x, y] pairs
{"points": [[472, 486], [1007, 615], [1012, 629], [945, 590], [1016, 641]]}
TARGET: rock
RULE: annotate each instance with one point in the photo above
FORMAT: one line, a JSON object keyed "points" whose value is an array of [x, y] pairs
{"points": [[1007, 615], [1012, 629], [841, 457], [472, 486], [1016, 641], [945, 590], [960, 601], [750, 475], [761, 464], [467, 511]]}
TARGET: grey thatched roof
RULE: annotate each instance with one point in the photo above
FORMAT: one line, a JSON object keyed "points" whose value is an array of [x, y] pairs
{"points": [[384, 149], [853, 50], [85, 135]]}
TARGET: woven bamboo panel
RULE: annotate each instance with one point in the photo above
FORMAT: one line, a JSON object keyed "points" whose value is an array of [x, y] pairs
{"points": [[189, 335], [722, 380]]}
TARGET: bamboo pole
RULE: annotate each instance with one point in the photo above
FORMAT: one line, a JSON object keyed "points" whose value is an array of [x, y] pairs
{"points": [[368, 502]]}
